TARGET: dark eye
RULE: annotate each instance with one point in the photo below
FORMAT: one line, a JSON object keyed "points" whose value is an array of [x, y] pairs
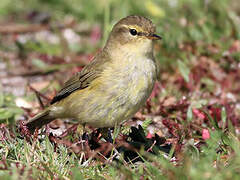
{"points": [[133, 32]]}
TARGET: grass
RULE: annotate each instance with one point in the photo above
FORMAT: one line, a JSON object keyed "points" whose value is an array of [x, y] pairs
{"points": [[41, 161], [199, 90]]}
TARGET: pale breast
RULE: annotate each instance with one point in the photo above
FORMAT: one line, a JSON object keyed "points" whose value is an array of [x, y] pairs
{"points": [[117, 95], [128, 88], [142, 79]]}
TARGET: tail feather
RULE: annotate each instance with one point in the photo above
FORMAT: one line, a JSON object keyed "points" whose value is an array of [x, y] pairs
{"points": [[39, 120]]}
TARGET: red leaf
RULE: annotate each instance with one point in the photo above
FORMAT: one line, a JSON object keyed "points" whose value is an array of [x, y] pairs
{"points": [[149, 136], [198, 114], [205, 134]]}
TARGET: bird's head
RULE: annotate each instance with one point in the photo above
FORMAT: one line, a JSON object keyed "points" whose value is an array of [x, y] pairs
{"points": [[133, 33]]}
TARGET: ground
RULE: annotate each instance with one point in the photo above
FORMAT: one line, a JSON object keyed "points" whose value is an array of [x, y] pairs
{"points": [[189, 127]]}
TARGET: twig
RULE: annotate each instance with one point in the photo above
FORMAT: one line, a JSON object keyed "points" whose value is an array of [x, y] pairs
{"points": [[22, 28], [150, 149], [48, 70], [39, 95], [73, 128]]}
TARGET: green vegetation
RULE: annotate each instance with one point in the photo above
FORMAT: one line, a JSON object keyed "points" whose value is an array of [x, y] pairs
{"points": [[195, 106]]}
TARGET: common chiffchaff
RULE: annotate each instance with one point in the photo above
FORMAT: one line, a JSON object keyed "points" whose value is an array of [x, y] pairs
{"points": [[115, 85]]}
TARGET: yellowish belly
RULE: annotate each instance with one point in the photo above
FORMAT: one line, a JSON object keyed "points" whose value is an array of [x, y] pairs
{"points": [[114, 97]]}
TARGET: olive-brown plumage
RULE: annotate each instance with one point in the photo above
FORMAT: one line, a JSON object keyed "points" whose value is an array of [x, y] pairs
{"points": [[115, 85]]}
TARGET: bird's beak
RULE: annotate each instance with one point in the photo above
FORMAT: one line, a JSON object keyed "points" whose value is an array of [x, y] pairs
{"points": [[154, 37]]}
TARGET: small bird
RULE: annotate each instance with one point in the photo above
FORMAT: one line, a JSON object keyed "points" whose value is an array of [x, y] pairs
{"points": [[114, 85]]}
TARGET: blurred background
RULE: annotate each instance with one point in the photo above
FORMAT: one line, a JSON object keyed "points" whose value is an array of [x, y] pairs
{"points": [[44, 42]]}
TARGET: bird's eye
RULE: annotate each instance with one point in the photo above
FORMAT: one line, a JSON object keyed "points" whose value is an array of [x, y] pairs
{"points": [[133, 32]]}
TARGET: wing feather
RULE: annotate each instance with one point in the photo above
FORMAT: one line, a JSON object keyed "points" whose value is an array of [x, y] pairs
{"points": [[83, 78]]}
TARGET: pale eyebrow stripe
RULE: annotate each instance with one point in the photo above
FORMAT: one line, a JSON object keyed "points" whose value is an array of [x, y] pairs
{"points": [[134, 27]]}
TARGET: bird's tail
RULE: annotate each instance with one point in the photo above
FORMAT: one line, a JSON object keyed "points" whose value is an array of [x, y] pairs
{"points": [[39, 120]]}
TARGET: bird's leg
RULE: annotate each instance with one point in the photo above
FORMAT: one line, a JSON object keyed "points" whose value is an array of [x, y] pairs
{"points": [[109, 136], [85, 134]]}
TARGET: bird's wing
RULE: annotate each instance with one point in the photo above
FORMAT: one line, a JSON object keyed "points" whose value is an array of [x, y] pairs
{"points": [[83, 78]]}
